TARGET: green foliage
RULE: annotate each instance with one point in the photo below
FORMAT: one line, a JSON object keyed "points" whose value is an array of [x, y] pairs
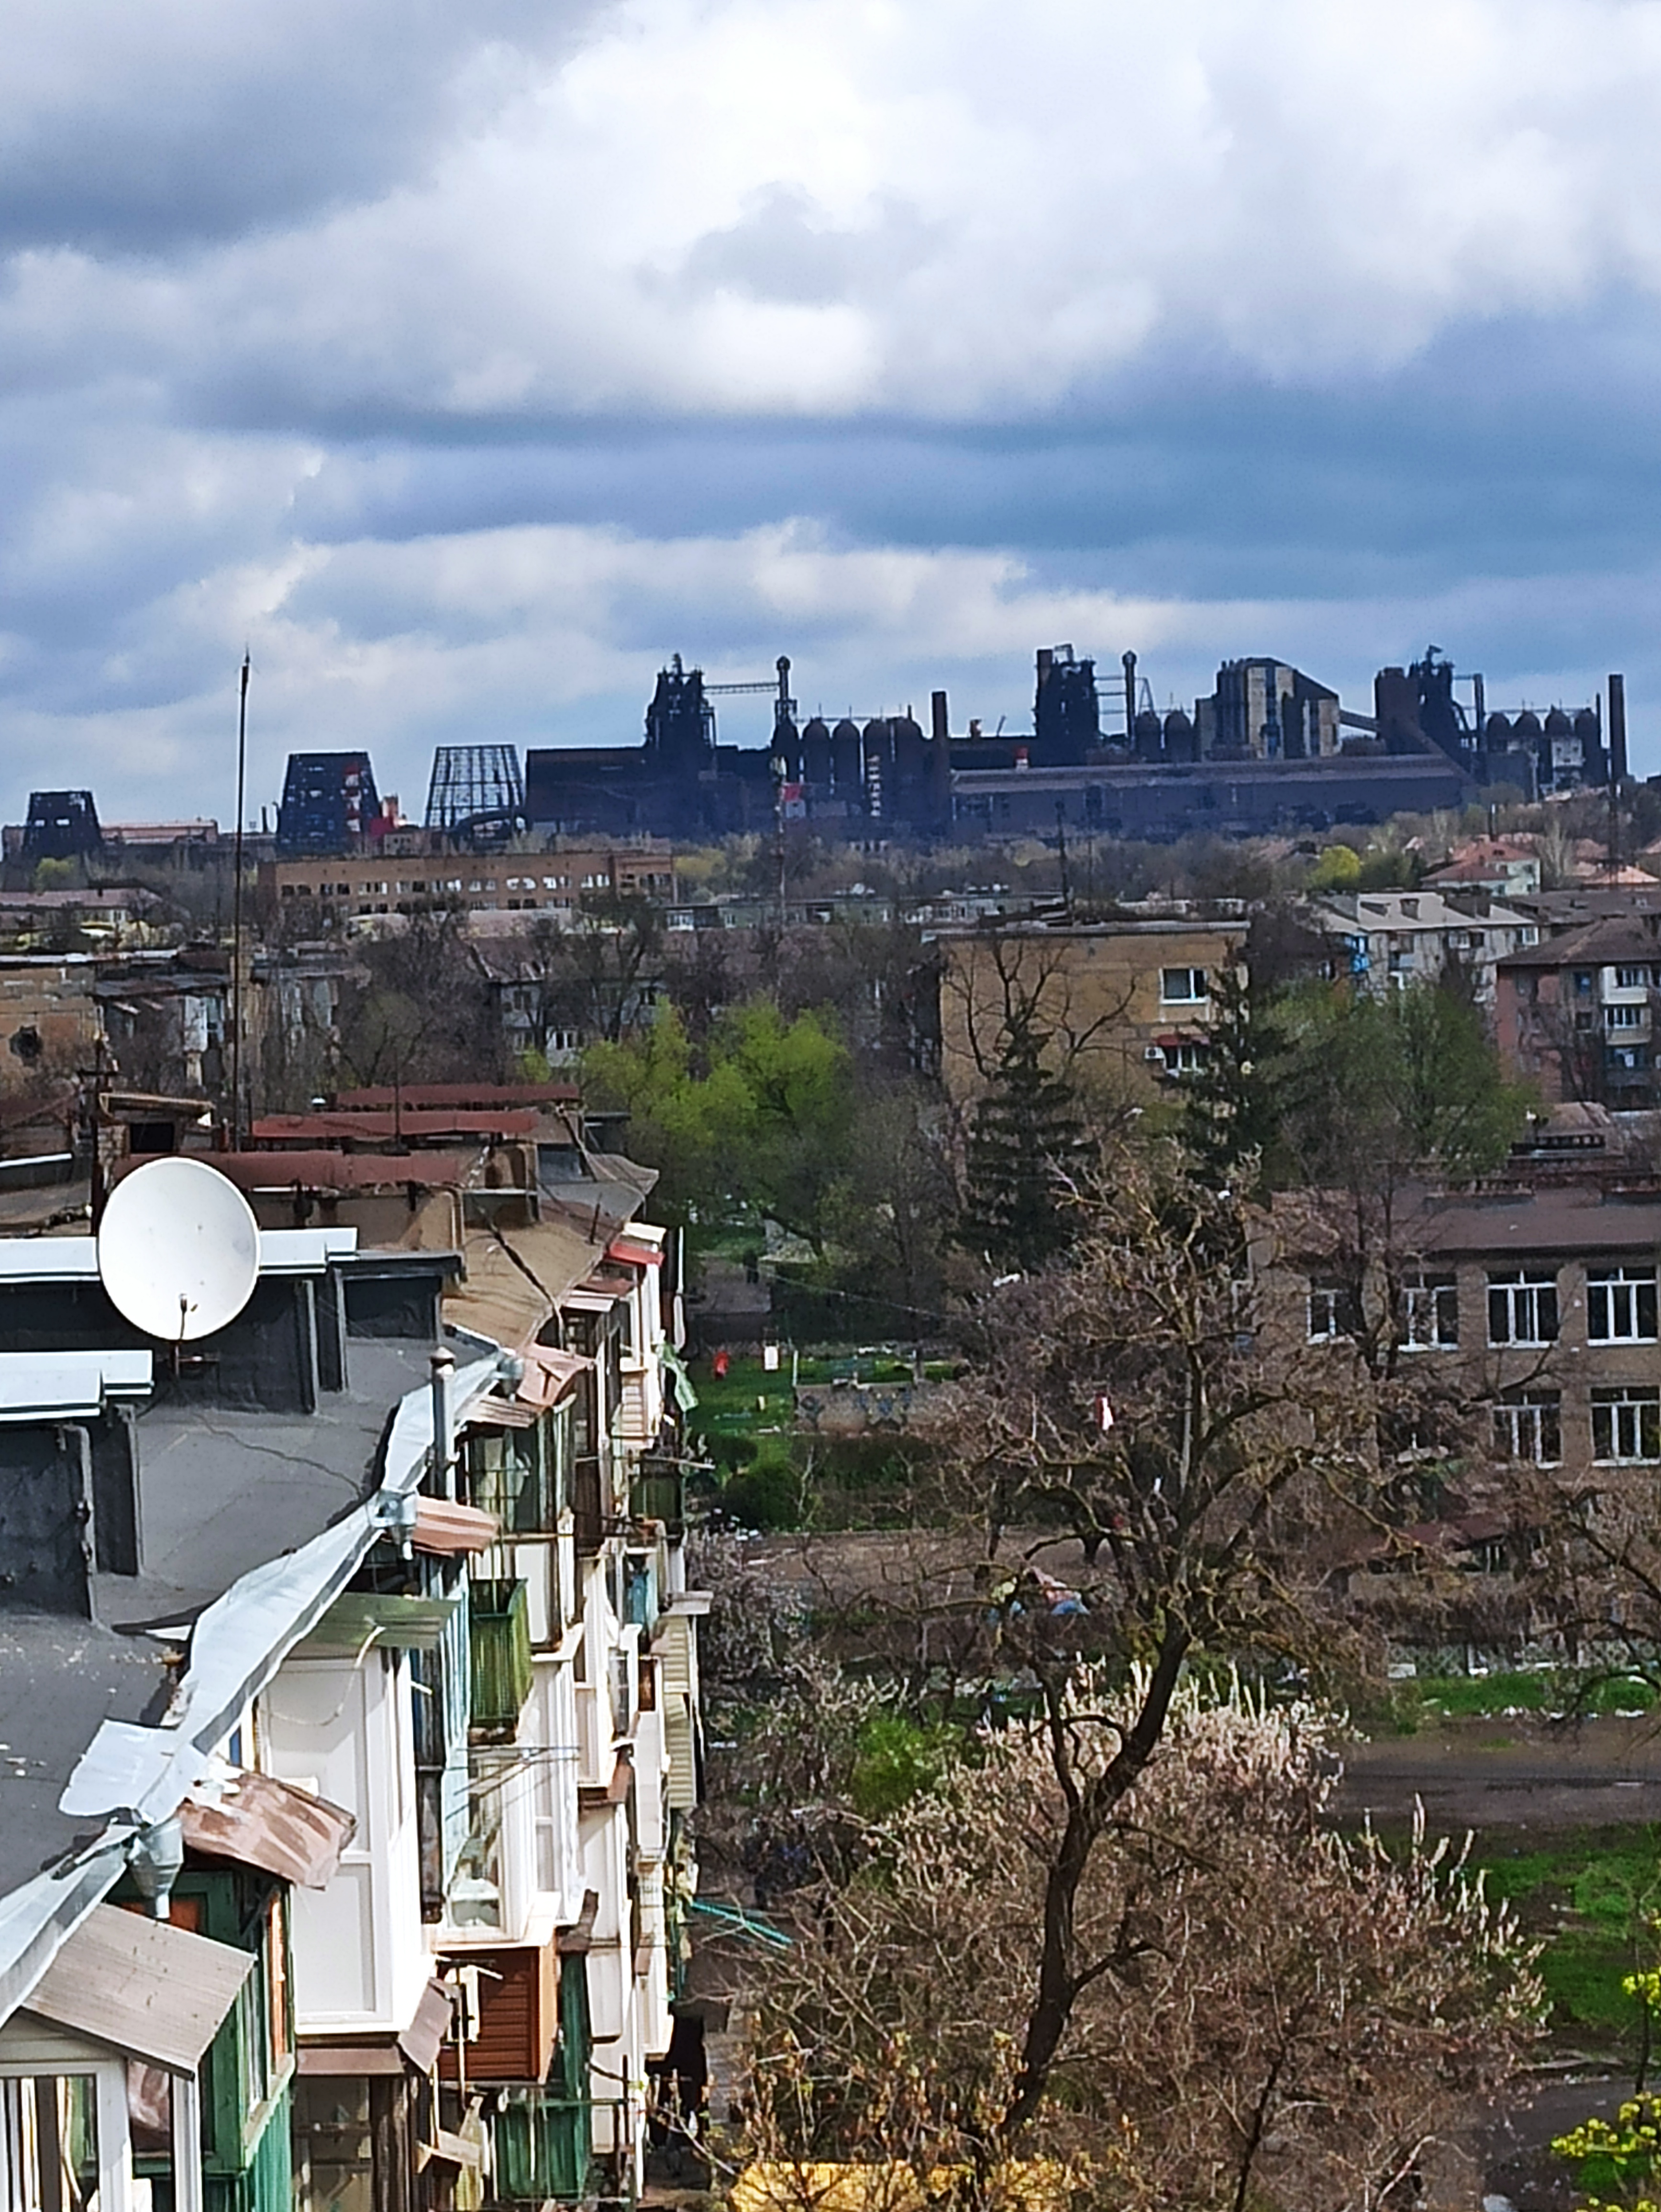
{"points": [[1338, 869], [1233, 1102], [1381, 1086], [1620, 2155], [55, 875], [1027, 1153], [768, 1493], [895, 1760], [1591, 1896], [760, 1120], [1555, 1692]]}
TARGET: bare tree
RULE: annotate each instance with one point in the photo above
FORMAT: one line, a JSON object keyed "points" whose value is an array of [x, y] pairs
{"points": [[1266, 2014]]}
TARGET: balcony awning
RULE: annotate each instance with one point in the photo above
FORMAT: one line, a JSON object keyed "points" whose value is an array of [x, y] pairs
{"points": [[142, 1986], [446, 1529], [549, 1374], [634, 1253], [261, 1822]]}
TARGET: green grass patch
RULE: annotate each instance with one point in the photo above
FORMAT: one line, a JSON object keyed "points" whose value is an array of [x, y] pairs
{"points": [[1590, 1898], [1494, 1697]]}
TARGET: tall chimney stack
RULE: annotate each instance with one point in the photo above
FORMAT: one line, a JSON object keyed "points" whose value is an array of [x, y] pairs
{"points": [[1129, 666], [1617, 729]]}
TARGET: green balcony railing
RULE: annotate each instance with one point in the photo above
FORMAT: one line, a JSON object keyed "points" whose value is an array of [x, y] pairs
{"points": [[660, 1494], [543, 2148], [499, 1648]]}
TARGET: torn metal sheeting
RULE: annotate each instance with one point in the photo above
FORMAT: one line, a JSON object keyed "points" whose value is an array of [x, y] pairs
{"points": [[259, 1821]]}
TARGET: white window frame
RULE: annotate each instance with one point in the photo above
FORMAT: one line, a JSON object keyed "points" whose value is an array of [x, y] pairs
{"points": [[1188, 995], [1526, 1422], [1621, 1436], [1430, 1314], [1524, 1291], [1323, 1311], [1618, 1292]]}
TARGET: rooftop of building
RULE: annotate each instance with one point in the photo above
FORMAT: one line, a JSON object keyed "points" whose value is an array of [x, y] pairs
{"points": [[1420, 909], [1520, 1218], [1608, 941], [222, 1490]]}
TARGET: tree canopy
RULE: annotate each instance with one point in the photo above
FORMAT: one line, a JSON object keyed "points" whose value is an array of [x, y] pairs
{"points": [[761, 1117]]}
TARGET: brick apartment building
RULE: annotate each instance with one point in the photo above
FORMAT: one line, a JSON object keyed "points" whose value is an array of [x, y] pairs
{"points": [[558, 883], [1576, 1014], [1125, 1004]]}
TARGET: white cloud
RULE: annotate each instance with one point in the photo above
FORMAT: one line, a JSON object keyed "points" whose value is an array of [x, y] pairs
{"points": [[355, 257], [982, 207]]}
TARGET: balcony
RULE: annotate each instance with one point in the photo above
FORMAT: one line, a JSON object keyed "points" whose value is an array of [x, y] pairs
{"points": [[658, 1493], [499, 1648], [543, 2148]]}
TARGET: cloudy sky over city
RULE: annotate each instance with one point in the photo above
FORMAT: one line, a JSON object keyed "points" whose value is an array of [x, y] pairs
{"points": [[467, 361]]}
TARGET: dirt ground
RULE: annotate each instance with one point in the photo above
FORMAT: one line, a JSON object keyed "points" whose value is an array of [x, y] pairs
{"points": [[1515, 1773]]}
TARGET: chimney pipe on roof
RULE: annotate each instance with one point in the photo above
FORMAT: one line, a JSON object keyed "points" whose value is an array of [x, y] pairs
{"points": [[443, 1365]]}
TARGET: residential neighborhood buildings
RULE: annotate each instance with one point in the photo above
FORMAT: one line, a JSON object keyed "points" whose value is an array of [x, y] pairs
{"points": [[350, 1691]]}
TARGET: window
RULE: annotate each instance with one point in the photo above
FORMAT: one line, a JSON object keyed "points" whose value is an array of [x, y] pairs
{"points": [[1621, 1305], [1182, 986], [1522, 1306], [1632, 978], [1528, 1426], [1625, 1018], [1626, 1423], [1329, 1309], [1582, 982], [1183, 1059], [1430, 1314]]}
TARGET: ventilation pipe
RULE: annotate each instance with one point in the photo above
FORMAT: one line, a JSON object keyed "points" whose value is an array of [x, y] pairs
{"points": [[444, 1454]]}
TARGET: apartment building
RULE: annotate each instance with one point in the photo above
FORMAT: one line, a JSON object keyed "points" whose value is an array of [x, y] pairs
{"points": [[409, 1766], [1126, 1004], [1384, 940], [1536, 1305], [331, 894], [1576, 1013]]}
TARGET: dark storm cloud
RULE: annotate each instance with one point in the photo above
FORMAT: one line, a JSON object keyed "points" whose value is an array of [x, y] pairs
{"points": [[139, 129], [467, 361]]}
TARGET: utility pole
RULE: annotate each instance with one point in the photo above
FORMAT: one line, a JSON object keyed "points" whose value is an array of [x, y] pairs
{"points": [[236, 906]]}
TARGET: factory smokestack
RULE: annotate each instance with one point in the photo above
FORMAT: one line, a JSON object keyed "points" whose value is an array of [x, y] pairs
{"points": [[1617, 729], [1130, 664], [940, 759]]}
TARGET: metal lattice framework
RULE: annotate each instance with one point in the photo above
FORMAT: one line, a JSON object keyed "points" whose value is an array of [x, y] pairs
{"points": [[473, 780]]}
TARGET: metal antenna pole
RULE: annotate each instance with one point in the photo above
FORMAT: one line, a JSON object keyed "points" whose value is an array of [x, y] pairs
{"points": [[236, 909]]}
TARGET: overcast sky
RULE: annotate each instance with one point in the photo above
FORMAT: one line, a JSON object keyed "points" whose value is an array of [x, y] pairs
{"points": [[466, 360]]}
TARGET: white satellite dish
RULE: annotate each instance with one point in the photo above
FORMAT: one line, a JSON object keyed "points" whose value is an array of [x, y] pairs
{"points": [[178, 1249]]}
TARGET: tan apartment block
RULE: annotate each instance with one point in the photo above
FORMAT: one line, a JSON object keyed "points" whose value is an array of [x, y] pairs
{"points": [[558, 883], [1126, 1006], [49, 1018]]}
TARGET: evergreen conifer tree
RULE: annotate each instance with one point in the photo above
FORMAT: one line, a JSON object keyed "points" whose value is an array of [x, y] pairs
{"points": [[1027, 1149], [1234, 1103]]}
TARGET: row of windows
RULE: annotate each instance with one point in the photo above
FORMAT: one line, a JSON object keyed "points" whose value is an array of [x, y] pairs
{"points": [[1626, 1426], [431, 883], [1522, 1309]]}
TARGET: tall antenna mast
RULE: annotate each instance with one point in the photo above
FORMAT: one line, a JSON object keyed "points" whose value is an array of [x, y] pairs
{"points": [[236, 909]]}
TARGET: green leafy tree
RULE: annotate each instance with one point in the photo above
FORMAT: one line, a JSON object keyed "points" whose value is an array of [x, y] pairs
{"points": [[761, 1122], [1234, 1103], [1027, 1152], [1386, 1087]]}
